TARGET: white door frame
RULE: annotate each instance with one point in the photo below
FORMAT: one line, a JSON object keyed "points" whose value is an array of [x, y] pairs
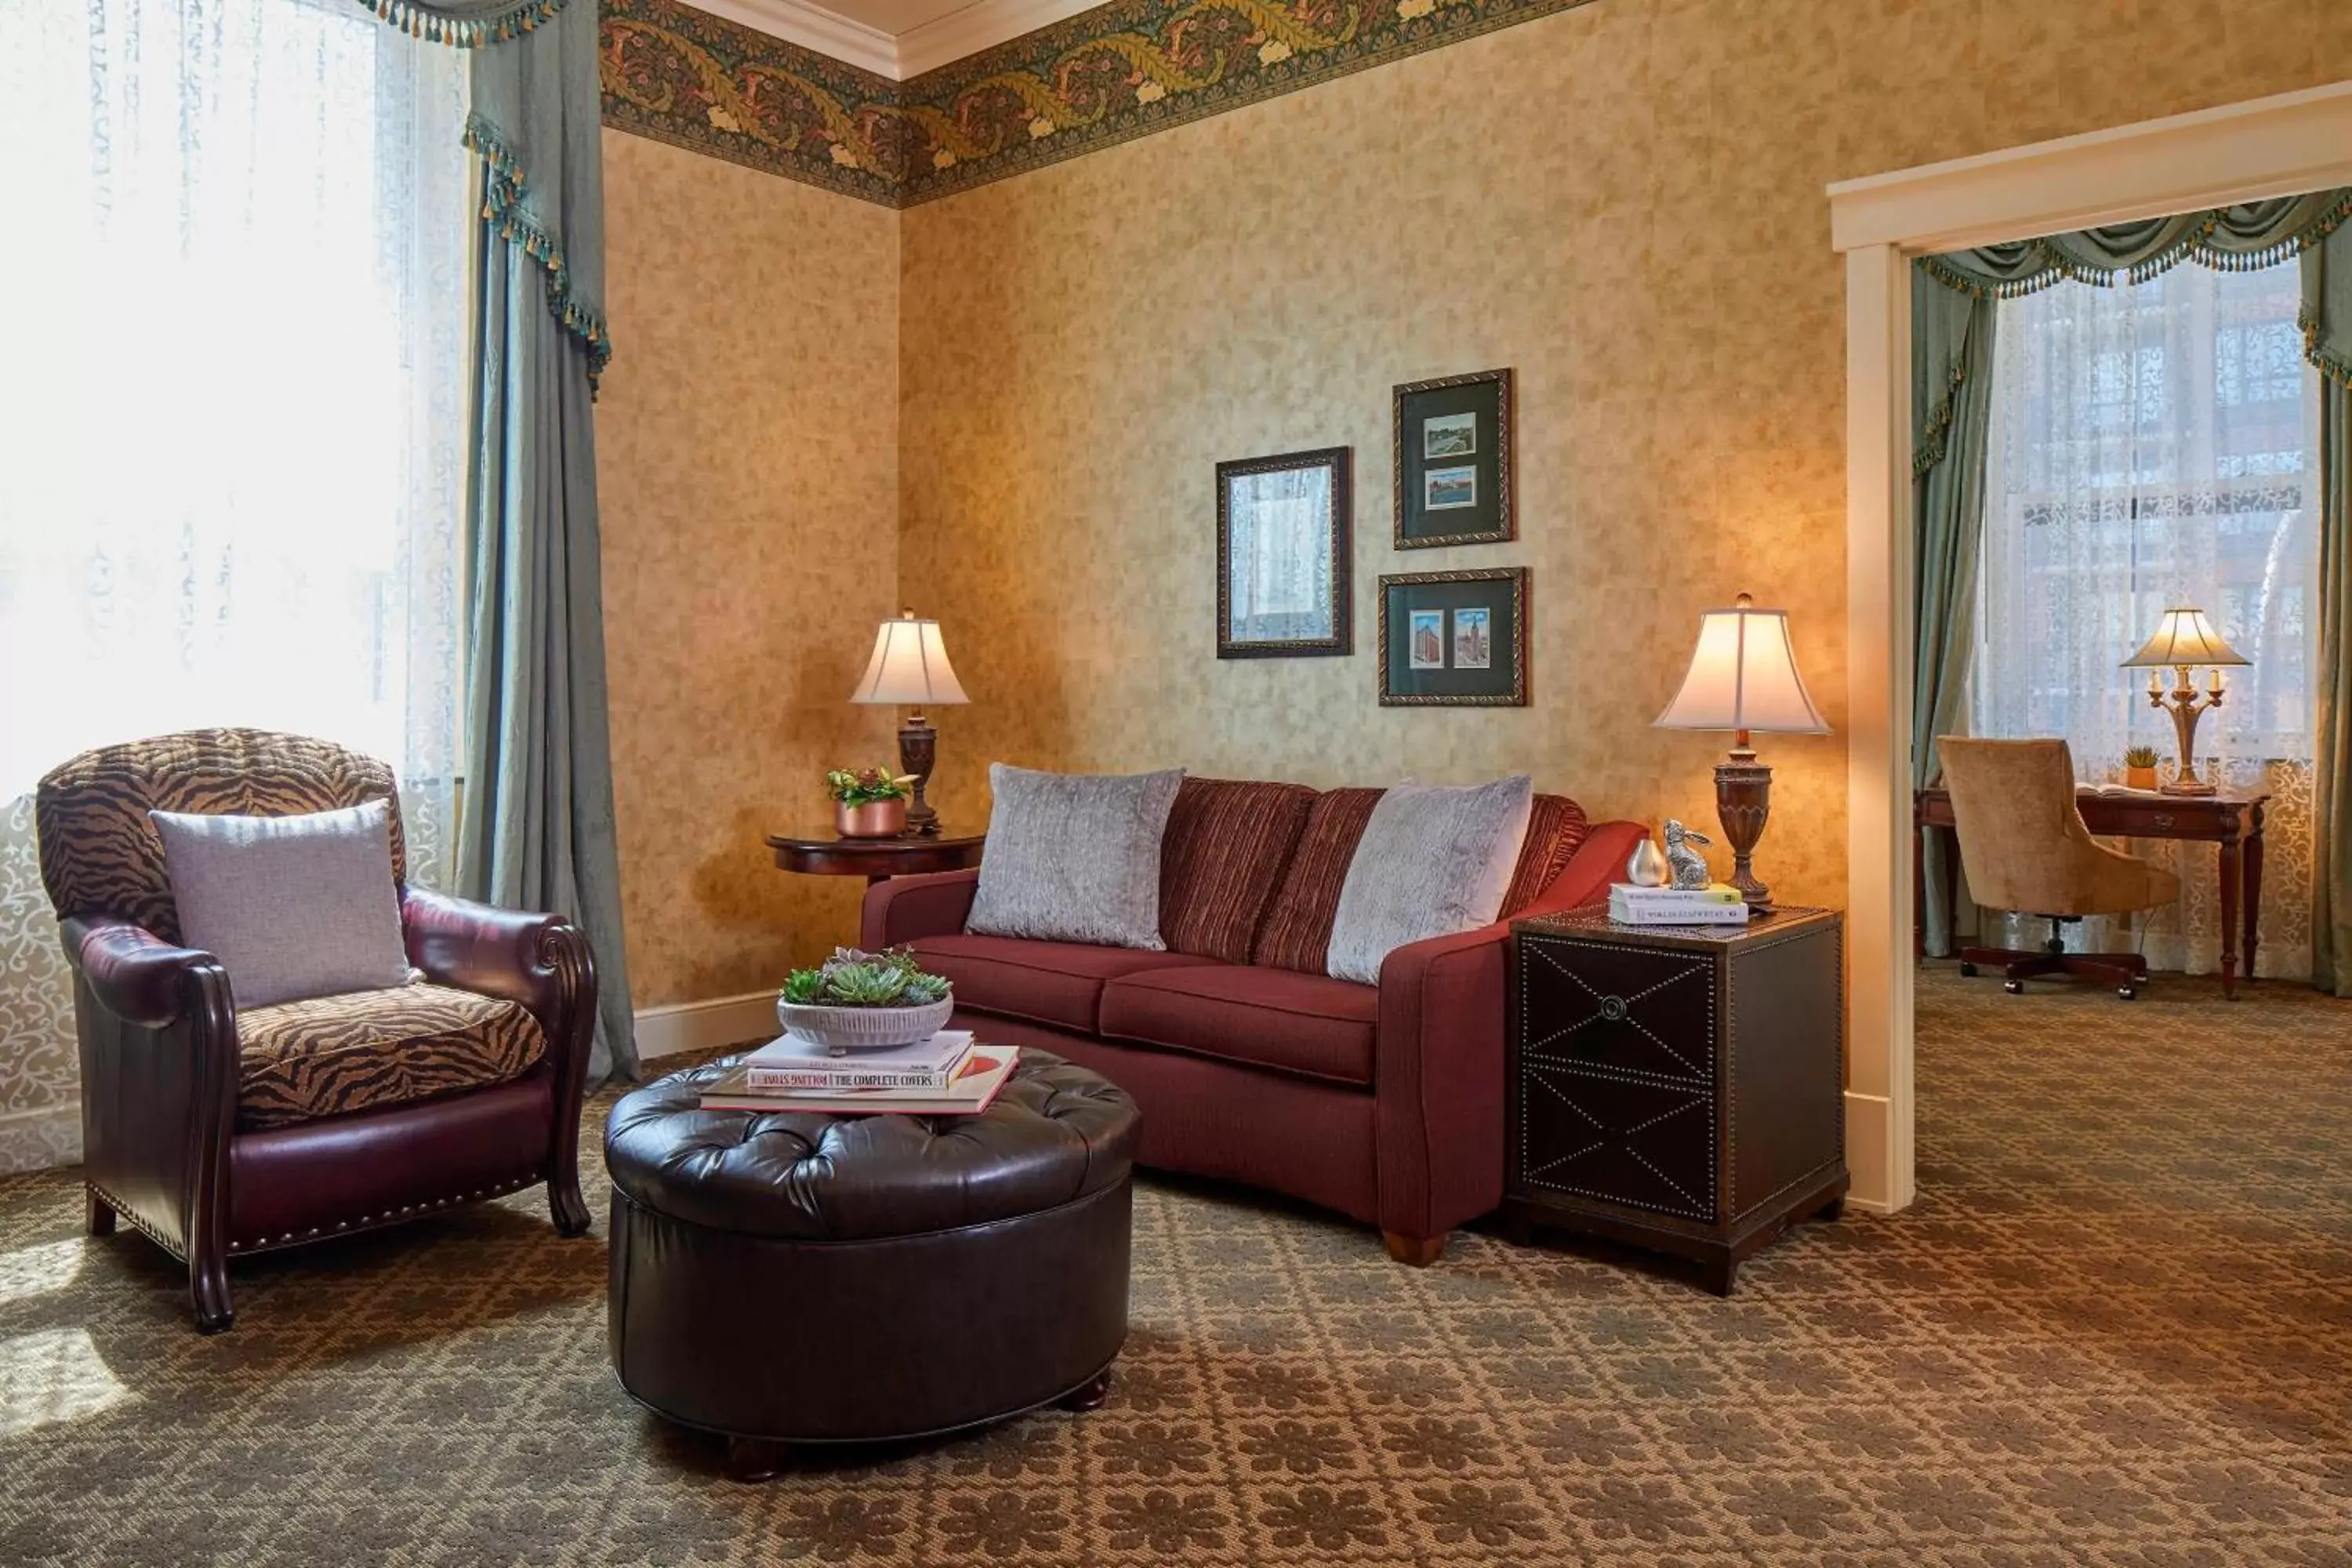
{"points": [[2270, 147]]}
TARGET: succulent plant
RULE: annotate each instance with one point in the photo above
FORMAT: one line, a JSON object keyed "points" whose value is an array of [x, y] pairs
{"points": [[863, 786], [2140, 757], [854, 979]]}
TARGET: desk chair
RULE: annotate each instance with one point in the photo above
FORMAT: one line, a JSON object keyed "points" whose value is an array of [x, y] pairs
{"points": [[2024, 847]]}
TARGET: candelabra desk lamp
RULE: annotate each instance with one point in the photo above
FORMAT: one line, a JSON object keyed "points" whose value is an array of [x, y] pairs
{"points": [[911, 666], [2184, 639], [1742, 677]]}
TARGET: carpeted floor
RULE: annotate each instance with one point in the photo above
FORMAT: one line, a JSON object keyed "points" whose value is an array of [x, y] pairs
{"points": [[2117, 1329]]}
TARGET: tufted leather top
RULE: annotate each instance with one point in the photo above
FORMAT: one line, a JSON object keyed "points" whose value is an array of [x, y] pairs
{"points": [[1056, 1133]]}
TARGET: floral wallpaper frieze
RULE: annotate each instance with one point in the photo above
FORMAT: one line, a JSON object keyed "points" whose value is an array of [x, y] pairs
{"points": [[1103, 76]]}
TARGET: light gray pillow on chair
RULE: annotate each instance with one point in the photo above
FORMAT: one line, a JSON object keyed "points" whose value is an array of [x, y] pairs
{"points": [[292, 906], [1434, 859], [1074, 856]]}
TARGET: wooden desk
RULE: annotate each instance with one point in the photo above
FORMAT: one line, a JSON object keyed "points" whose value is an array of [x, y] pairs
{"points": [[2232, 819], [875, 859]]}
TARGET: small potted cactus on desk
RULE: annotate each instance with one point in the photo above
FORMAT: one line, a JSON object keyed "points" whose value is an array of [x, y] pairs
{"points": [[2139, 767], [865, 1001]]}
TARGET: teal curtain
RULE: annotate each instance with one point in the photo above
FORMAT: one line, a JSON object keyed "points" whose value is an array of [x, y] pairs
{"points": [[536, 828], [1951, 386], [1954, 311], [2328, 340]]}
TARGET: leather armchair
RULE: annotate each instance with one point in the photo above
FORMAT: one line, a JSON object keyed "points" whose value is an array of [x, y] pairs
{"points": [[165, 1146]]}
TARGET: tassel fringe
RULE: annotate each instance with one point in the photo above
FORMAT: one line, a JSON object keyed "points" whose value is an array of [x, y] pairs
{"points": [[420, 20], [2053, 266], [502, 191]]}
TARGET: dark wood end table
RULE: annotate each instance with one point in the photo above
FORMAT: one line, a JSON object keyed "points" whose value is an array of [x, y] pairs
{"points": [[875, 859], [1676, 1087]]}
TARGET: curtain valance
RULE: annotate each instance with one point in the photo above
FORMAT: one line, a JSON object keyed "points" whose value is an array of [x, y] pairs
{"points": [[2242, 238], [534, 125]]}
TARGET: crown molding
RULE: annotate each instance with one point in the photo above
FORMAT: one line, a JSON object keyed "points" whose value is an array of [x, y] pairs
{"points": [[814, 28], [982, 25]]}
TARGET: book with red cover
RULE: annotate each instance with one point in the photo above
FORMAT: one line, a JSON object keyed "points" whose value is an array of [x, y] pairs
{"points": [[983, 1074]]}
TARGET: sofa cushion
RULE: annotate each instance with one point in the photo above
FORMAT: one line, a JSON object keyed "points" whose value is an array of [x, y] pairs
{"points": [[1556, 831], [1434, 859], [365, 1050], [1055, 983], [1297, 928], [1304, 1024], [1296, 931], [1226, 845], [1074, 856]]}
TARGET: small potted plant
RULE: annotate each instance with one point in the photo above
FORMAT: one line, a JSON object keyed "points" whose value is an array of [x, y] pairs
{"points": [[870, 802], [2139, 767], [865, 1001]]}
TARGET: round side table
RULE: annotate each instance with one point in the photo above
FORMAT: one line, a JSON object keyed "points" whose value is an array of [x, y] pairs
{"points": [[875, 859]]}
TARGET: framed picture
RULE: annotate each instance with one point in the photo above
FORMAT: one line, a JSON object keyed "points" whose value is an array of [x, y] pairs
{"points": [[1454, 461], [1282, 545], [1455, 638]]}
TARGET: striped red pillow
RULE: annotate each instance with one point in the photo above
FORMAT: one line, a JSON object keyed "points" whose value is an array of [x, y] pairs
{"points": [[1297, 930], [1221, 860], [1556, 831]]}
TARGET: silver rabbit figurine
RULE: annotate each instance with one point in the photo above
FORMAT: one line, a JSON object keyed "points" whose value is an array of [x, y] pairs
{"points": [[1690, 869]]}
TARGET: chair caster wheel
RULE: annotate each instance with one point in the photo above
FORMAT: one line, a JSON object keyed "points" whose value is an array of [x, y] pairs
{"points": [[2014, 987], [2127, 991], [1969, 970]]}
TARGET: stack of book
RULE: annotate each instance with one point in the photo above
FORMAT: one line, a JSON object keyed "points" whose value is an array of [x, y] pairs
{"points": [[1718, 903], [946, 1075]]}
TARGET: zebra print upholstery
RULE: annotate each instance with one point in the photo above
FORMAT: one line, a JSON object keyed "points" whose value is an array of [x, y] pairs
{"points": [[101, 854], [327, 1056]]}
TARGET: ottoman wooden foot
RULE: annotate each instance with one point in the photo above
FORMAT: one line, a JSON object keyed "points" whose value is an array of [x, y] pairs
{"points": [[752, 1459], [1090, 1394]]}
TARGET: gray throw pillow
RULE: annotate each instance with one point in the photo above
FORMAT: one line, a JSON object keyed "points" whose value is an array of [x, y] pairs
{"points": [[1074, 858], [1434, 859], [292, 906]]}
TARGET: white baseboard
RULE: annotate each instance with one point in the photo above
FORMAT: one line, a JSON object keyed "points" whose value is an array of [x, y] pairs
{"points": [[1869, 1121], [704, 1025]]}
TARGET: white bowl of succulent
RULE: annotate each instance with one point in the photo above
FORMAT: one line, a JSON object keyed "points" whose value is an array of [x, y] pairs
{"points": [[865, 1002]]}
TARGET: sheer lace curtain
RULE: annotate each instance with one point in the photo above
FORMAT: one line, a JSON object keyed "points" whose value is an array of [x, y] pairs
{"points": [[2153, 445], [234, 423]]}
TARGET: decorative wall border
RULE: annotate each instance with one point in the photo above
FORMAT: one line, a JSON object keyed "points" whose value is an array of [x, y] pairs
{"points": [[1104, 76]]}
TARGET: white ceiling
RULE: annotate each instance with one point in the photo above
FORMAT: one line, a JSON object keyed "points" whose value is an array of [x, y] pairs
{"points": [[895, 39]]}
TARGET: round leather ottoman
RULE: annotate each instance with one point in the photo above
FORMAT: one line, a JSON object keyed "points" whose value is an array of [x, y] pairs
{"points": [[806, 1278]]}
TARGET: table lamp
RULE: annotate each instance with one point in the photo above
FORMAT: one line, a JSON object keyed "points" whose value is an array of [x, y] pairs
{"points": [[2184, 638], [1743, 677], [911, 666]]}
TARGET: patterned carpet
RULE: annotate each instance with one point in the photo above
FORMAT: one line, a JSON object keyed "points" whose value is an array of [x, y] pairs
{"points": [[2118, 1329]]}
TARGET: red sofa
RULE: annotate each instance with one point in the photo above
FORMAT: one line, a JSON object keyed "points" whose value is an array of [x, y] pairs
{"points": [[1250, 1063]]}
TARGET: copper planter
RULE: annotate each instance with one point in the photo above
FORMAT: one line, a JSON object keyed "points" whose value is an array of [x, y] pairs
{"points": [[875, 819]]}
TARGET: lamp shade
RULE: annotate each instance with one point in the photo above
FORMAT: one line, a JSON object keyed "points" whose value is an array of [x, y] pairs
{"points": [[2183, 637], [1743, 676], [910, 666]]}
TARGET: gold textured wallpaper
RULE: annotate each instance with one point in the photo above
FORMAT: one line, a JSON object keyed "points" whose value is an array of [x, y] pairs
{"points": [[1622, 202], [747, 470]]}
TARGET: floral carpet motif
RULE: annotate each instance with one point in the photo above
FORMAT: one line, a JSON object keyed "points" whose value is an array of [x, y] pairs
{"points": [[1106, 76], [2113, 1330]]}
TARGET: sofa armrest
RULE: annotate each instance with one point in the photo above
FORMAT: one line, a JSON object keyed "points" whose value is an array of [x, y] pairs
{"points": [[159, 1062], [1598, 861], [1438, 1082], [906, 908]]}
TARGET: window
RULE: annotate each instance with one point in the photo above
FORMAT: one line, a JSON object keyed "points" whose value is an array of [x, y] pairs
{"points": [[2154, 445], [234, 466]]}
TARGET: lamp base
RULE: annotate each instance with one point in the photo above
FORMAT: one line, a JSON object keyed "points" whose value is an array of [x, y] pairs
{"points": [[1743, 802], [918, 753]]}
